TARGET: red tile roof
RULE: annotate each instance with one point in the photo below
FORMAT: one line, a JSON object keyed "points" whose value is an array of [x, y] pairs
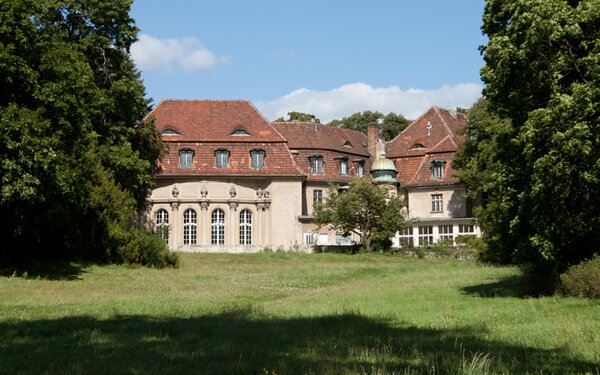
{"points": [[443, 125], [213, 121], [205, 126], [436, 131], [309, 135], [332, 143]]}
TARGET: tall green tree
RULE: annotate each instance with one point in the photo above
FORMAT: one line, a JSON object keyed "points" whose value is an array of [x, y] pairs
{"points": [[372, 212], [391, 125], [540, 147], [76, 159]]}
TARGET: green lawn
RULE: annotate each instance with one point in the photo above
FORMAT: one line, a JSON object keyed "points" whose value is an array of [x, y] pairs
{"points": [[291, 314]]}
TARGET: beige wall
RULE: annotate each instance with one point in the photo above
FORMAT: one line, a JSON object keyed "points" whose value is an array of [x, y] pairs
{"points": [[274, 213], [454, 202]]}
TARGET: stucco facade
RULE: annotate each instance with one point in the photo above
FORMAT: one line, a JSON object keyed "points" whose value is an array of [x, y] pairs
{"points": [[234, 182]]}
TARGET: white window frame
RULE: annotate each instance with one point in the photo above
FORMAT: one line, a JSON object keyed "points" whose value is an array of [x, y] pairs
{"points": [[257, 159], [217, 227], [317, 196], [246, 227], [221, 158], [186, 158], [316, 164], [437, 202], [360, 168], [405, 236], [425, 235], [161, 223], [446, 232], [190, 226], [437, 169], [466, 229], [343, 167]]}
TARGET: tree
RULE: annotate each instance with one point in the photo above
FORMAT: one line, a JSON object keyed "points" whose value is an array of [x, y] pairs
{"points": [[539, 151], [392, 124], [76, 159], [299, 117], [366, 209]]}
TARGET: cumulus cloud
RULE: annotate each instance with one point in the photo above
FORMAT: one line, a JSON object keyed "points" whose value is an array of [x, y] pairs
{"points": [[167, 55], [355, 97]]}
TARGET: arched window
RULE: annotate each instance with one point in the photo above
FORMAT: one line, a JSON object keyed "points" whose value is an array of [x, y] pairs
{"points": [[246, 227], [217, 227], [161, 224], [189, 227]]}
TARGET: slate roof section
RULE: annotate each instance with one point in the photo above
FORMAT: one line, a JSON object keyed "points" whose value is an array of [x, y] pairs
{"points": [[307, 140], [205, 126], [443, 125], [440, 142], [309, 135]]}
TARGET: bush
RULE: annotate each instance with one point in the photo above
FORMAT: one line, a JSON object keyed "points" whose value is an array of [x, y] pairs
{"points": [[582, 280], [146, 249]]}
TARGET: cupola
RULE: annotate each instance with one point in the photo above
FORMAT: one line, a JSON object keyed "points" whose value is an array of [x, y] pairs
{"points": [[383, 170]]}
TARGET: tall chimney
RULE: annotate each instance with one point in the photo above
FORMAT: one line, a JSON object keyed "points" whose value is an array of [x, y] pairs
{"points": [[372, 135]]}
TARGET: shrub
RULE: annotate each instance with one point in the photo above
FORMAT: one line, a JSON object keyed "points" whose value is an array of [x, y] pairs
{"points": [[147, 249], [583, 279]]}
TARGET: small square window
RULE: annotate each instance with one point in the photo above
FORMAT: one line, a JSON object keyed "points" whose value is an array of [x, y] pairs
{"points": [[360, 168], [437, 169], [222, 158], [437, 202], [316, 164], [258, 159], [186, 157], [343, 166], [317, 197]]}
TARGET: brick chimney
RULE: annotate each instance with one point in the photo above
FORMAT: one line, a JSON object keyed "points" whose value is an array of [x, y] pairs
{"points": [[372, 135]]}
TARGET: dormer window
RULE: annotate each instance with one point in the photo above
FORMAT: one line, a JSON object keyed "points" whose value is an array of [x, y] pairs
{"points": [[417, 146], [221, 158], [240, 133], [360, 168], [348, 144], [343, 167], [170, 132], [186, 158], [258, 158], [437, 169], [316, 164]]}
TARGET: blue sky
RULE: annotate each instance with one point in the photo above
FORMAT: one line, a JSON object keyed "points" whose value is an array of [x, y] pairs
{"points": [[330, 58]]}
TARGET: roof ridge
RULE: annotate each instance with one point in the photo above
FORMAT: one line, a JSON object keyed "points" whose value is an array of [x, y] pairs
{"points": [[412, 123], [418, 169], [437, 111]]}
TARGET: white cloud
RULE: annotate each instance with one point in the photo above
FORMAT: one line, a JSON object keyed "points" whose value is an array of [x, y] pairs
{"points": [[167, 55], [355, 97]]}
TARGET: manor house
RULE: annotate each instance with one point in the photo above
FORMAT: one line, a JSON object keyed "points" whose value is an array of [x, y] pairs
{"points": [[233, 181]]}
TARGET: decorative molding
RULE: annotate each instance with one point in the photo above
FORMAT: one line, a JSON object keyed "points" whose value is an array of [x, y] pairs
{"points": [[174, 205], [175, 191], [203, 192], [233, 206], [232, 191], [204, 205]]}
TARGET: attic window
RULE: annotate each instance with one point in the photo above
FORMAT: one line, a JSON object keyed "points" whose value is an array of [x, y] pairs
{"points": [[437, 169], [417, 146], [240, 133], [169, 132], [347, 144]]}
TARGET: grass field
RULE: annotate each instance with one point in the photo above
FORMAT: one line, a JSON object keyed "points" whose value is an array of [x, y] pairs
{"points": [[276, 313]]}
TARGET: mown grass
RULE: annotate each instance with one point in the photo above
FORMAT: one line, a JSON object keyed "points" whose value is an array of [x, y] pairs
{"points": [[291, 314]]}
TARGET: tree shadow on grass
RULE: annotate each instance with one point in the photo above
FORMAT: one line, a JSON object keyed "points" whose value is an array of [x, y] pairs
{"points": [[246, 342], [506, 287], [55, 270]]}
